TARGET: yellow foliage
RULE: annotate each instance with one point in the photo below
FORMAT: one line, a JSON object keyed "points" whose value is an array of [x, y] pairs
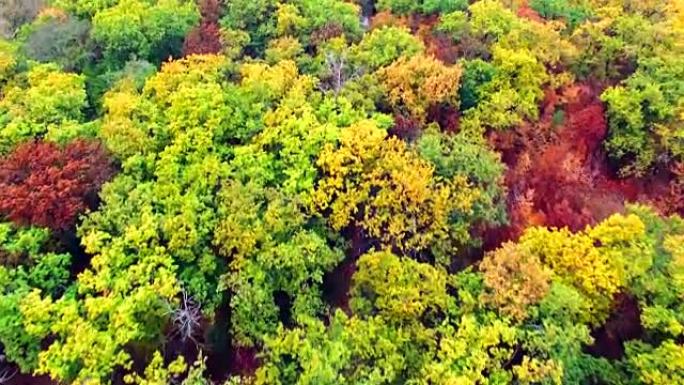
{"points": [[622, 240], [533, 371], [195, 69], [576, 259], [7, 60], [156, 373], [377, 183], [598, 261], [414, 84], [399, 288], [273, 80], [284, 48], [289, 20], [464, 356], [515, 280]]}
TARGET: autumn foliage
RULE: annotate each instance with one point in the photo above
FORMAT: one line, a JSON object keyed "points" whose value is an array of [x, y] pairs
{"points": [[205, 38], [44, 185], [356, 192]]}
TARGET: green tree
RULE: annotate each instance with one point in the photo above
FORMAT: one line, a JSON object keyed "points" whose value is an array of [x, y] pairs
{"points": [[147, 30]]}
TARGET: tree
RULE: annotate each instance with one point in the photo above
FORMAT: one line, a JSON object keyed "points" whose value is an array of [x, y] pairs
{"points": [[26, 264], [205, 38], [643, 114], [59, 39], [46, 101], [513, 93], [427, 7], [8, 60], [388, 191], [15, 13], [44, 185], [272, 251], [458, 155], [515, 280], [382, 46], [398, 289], [147, 30], [416, 83]]}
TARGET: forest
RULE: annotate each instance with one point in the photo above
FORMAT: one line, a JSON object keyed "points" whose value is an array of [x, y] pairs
{"points": [[333, 192]]}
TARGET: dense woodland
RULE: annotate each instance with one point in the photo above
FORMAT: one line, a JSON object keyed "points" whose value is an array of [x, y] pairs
{"points": [[329, 192]]}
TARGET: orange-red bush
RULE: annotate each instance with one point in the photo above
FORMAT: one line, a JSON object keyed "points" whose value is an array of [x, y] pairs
{"points": [[44, 185]]}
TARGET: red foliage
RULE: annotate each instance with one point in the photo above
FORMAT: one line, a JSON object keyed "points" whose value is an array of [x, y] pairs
{"points": [[448, 117], [205, 38], [44, 185], [388, 19], [526, 12], [210, 10], [557, 169], [244, 361], [405, 127]]}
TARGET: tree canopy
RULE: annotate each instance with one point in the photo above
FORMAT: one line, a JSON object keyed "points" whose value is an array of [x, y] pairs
{"points": [[313, 192]]}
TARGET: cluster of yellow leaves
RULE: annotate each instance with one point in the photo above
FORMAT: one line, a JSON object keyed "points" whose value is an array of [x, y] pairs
{"points": [[516, 280], [7, 60], [465, 355], [534, 371], [380, 185], [186, 94], [598, 261], [273, 82], [196, 69], [156, 373], [414, 84], [400, 288]]}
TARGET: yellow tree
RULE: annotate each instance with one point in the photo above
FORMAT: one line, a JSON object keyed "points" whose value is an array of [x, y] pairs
{"points": [[515, 280], [379, 185], [416, 83]]}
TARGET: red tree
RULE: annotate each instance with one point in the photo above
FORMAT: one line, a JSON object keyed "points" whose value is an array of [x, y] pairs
{"points": [[557, 173], [205, 38], [44, 185]]}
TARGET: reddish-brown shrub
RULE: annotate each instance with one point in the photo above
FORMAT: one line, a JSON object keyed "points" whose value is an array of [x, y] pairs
{"points": [[405, 127], [210, 10], [205, 38], [387, 18], [448, 117], [44, 185]]}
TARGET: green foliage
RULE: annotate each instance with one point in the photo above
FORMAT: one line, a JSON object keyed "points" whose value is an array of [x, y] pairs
{"points": [[156, 373], [253, 17], [643, 114], [427, 7], [661, 365], [476, 75], [62, 40], [134, 29], [263, 232], [26, 269], [382, 46], [457, 155], [573, 12], [398, 289], [294, 195]]}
